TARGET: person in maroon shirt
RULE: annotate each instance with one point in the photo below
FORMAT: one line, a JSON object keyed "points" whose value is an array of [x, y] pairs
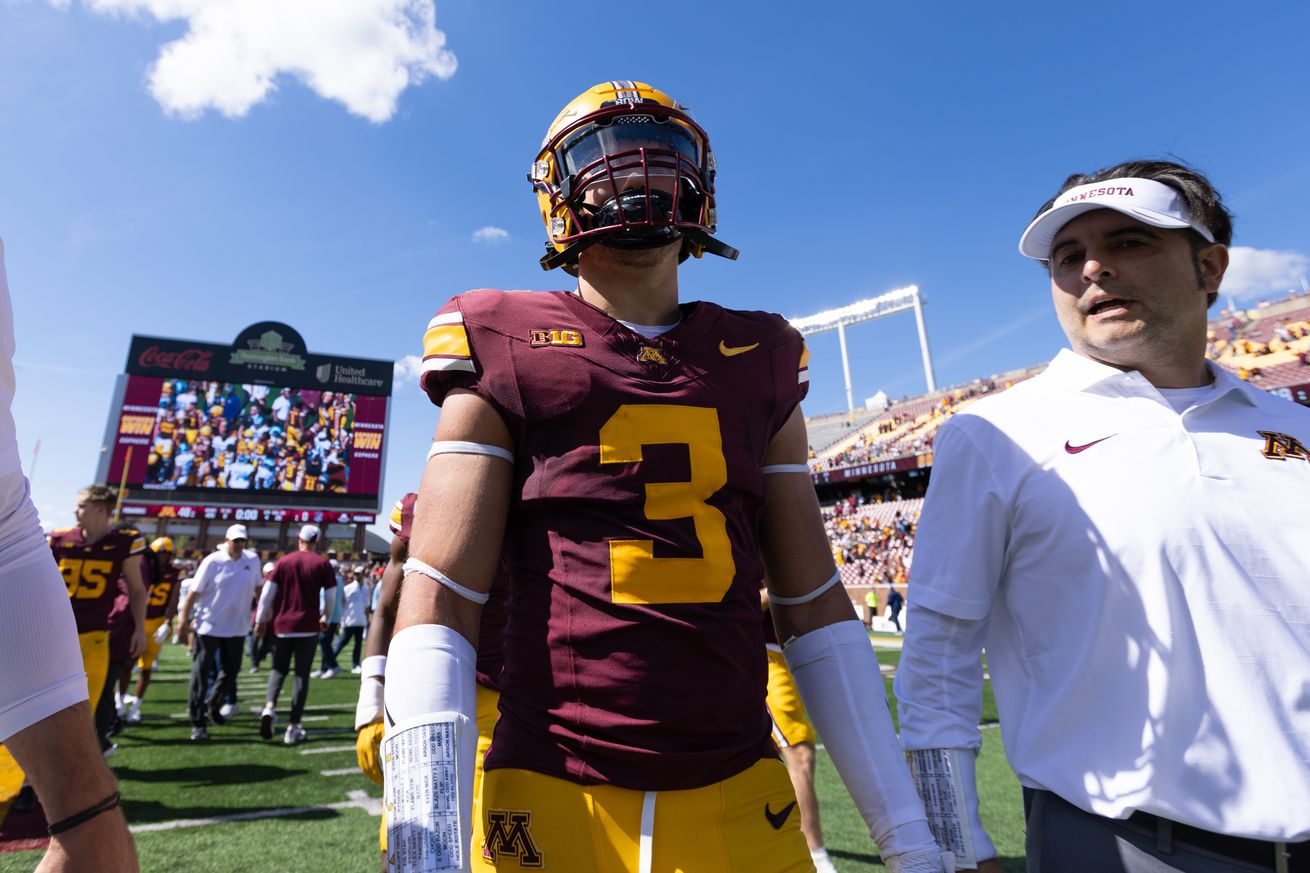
{"points": [[637, 456], [289, 603]]}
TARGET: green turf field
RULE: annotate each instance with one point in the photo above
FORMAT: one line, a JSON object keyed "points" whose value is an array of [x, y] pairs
{"points": [[167, 780]]}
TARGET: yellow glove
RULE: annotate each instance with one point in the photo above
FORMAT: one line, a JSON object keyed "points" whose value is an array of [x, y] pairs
{"points": [[367, 750]]}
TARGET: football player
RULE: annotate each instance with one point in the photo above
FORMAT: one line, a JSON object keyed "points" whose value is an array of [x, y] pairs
{"points": [[646, 454], [91, 557], [368, 713], [161, 608]]}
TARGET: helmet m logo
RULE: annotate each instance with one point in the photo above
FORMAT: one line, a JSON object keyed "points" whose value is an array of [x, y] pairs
{"points": [[555, 336], [1281, 446], [509, 832]]}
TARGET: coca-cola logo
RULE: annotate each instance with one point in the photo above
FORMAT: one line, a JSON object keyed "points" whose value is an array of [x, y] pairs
{"points": [[194, 360]]}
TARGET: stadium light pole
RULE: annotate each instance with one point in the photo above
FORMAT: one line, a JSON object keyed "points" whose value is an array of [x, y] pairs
{"points": [[891, 303]]}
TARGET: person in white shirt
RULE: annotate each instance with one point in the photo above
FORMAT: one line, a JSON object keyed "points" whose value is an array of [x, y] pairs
{"points": [[354, 616], [282, 406], [224, 589], [1115, 532], [45, 717]]}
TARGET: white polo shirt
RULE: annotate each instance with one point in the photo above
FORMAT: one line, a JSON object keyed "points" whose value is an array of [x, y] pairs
{"points": [[8, 434], [1145, 576], [225, 591]]}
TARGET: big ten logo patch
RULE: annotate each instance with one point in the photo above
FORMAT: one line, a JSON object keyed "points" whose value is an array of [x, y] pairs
{"points": [[1281, 446], [555, 336], [509, 835]]}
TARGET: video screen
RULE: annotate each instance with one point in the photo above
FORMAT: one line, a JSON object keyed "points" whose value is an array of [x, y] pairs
{"points": [[235, 437]]}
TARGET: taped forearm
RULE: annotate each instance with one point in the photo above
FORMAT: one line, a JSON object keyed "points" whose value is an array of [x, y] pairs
{"points": [[841, 685], [947, 782], [431, 740]]}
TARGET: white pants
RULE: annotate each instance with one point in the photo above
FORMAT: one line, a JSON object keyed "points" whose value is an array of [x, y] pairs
{"points": [[40, 662]]}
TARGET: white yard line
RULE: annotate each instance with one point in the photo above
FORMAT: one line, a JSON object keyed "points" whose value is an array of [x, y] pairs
{"points": [[347, 771], [323, 750], [358, 800]]}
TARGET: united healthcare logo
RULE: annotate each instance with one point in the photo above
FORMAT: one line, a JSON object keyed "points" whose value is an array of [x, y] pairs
{"points": [[323, 372]]}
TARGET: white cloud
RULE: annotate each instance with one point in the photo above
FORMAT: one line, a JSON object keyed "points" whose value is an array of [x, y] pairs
{"points": [[360, 53], [490, 234], [1263, 272], [407, 372]]}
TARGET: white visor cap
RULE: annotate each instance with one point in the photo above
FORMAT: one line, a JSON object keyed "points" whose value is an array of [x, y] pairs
{"points": [[1147, 200], [236, 532], [310, 533]]}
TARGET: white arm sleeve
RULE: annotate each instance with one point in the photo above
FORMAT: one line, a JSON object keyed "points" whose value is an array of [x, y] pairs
{"points": [[841, 685], [40, 661], [330, 601], [429, 748], [266, 599], [939, 685]]}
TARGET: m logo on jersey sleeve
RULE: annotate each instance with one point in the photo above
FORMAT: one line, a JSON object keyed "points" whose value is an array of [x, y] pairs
{"points": [[446, 344], [509, 834], [1281, 446]]}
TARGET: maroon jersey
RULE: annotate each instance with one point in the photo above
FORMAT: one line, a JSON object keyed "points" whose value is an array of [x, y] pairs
{"points": [[770, 632], [491, 658], [162, 585], [90, 571], [633, 650], [299, 577]]}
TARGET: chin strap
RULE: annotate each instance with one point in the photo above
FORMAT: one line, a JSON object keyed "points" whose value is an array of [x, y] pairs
{"points": [[711, 244]]}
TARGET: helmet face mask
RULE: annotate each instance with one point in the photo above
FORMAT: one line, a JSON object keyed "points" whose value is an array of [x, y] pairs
{"points": [[626, 167]]}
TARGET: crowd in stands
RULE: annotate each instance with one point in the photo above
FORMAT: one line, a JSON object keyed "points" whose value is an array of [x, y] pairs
{"points": [[872, 542], [905, 429], [1269, 347]]}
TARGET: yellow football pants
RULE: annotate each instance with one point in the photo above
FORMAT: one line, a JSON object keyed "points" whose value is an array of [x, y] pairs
{"points": [[747, 822]]}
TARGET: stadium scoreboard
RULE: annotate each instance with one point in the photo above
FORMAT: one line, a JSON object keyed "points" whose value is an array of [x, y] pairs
{"points": [[260, 430]]}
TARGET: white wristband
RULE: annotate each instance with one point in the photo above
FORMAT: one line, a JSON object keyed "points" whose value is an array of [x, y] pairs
{"points": [[460, 447], [784, 468], [374, 665], [369, 708], [414, 565], [805, 598]]}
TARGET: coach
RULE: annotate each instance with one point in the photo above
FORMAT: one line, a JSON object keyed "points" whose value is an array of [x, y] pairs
{"points": [[290, 604], [224, 589], [1124, 535]]}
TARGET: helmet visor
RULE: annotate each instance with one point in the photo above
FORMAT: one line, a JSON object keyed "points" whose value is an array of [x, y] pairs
{"points": [[626, 136]]}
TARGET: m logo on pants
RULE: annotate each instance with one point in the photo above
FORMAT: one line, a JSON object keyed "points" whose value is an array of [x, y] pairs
{"points": [[509, 834]]}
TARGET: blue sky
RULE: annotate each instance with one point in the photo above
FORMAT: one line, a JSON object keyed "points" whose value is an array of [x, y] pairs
{"points": [[186, 168]]}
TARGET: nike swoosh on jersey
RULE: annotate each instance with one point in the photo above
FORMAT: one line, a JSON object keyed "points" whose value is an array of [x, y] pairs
{"points": [[779, 818], [1073, 450], [729, 351]]}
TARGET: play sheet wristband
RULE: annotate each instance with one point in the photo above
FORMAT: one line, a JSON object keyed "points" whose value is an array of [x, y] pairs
{"points": [[421, 761], [941, 785]]}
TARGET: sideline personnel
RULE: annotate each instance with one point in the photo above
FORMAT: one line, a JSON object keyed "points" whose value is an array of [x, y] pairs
{"points": [[1115, 532]]}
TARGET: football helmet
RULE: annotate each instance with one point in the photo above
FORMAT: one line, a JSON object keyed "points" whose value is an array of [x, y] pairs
{"points": [[162, 544], [625, 165]]}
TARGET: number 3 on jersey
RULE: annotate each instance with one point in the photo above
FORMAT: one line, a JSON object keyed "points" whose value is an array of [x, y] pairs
{"points": [[636, 575]]}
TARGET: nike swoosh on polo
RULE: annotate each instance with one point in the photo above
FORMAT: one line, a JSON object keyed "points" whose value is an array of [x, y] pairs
{"points": [[729, 351], [779, 818], [1073, 450]]}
